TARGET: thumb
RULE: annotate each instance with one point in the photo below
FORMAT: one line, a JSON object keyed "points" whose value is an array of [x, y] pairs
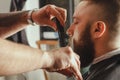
{"points": [[52, 25], [79, 76]]}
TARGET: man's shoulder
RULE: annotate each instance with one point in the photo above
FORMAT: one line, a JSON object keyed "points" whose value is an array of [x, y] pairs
{"points": [[111, 72], [108, 69]]}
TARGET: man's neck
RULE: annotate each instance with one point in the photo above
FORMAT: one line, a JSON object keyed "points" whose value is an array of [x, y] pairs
{"points": [[107, 55]]}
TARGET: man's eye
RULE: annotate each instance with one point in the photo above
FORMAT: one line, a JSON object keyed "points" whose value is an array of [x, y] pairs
{"points": [[75, 22]]}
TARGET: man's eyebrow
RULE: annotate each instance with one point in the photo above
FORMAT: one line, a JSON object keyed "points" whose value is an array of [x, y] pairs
{"points": [[76, 18]]}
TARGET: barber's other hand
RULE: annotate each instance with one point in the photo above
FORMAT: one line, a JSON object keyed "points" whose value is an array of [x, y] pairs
{"points": [[64, 61], [44, 15]]}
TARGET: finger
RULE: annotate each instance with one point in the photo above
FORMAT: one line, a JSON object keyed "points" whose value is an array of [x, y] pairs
{"points": [[77, 73], [78, 61], [53, 25], [66, 72], [52, 11], [77, 56], [63, 13], [75, 68]]}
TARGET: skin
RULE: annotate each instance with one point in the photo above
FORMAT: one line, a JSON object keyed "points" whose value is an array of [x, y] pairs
{"points": [[24, 58], [78, 33], [89, 16]]}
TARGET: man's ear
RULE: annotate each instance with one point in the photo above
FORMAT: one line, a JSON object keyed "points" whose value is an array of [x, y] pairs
{"points": [[99, 28]]}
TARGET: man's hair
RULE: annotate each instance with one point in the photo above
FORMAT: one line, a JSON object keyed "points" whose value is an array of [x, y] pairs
{"points": [[110, 12]]}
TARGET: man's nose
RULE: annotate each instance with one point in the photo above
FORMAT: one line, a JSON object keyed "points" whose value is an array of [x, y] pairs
{"points": [[70, 31]]}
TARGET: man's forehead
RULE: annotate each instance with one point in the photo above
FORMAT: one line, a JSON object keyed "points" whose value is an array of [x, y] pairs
{"points": [[80, 8], [87, 11], [82, 4]]}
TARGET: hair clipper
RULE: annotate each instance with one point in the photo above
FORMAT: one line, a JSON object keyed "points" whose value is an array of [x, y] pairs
{"points": [[63, 37]]}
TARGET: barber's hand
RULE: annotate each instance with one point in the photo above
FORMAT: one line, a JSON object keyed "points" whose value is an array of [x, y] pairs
{"points": [[65, 61], [44, 15]]}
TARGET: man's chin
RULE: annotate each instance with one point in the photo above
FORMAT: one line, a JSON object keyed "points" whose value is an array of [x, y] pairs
{"points": [[86, 54]]}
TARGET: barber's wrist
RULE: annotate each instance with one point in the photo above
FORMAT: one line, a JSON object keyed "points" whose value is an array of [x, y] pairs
{"points": [[30, 17], [48, 60]]}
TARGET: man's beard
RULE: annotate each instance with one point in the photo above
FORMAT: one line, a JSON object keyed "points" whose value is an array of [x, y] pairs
{"points": [[85, 50]]}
